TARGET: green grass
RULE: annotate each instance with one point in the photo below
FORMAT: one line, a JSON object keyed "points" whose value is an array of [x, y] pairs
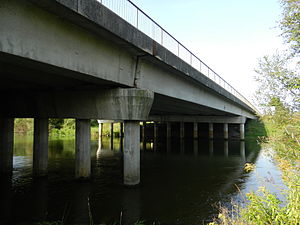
{"points": [[263, 207]]}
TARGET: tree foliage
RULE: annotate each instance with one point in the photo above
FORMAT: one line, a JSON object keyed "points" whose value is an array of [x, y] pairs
{"points": [[290, 23], [279, 83]]}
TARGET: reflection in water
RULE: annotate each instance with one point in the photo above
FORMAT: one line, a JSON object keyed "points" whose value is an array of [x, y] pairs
{"points": [[180, 181], [226, 148]]}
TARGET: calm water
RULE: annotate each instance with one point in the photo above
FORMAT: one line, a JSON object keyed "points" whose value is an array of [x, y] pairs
{"points": [[181, 183]]}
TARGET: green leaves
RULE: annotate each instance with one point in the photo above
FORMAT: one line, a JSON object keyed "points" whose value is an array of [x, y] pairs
{"points": [[290, 23]]}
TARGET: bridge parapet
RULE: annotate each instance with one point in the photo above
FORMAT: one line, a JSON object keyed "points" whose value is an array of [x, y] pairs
{"points": [[130, 12]]}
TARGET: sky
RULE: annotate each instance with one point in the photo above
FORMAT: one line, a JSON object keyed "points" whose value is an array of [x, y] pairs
{"points": [[228, 35]]}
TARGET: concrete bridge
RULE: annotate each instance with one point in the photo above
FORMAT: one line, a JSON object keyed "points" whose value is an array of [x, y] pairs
{"points": [[78, 59]]}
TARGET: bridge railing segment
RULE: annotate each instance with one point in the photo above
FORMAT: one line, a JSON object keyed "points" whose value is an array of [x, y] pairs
{"points": [[127, 10]]}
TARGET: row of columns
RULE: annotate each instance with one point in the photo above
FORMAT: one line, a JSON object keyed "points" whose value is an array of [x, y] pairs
{"points": [[182, 130], [82, 150], [131, 152], [195, 130]]}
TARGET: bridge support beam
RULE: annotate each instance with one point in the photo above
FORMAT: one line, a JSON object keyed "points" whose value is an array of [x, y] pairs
{"points": [[225, 131], [242, 131], [131, 152], [83, 152], [210, 130], [6, 145], [40, 147], [195, 133]]}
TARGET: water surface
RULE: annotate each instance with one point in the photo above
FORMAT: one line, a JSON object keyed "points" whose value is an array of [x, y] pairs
{"points": [[182, 182]]}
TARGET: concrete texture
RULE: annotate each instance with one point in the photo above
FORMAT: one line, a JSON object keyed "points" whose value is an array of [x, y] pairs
{"points": [[242, 131], [131, 152], [195, 131], [88, 51], [6, 145], [199, 119], [225, 130], [40, 147], [210, 130], [82, 149], [119, 104]]}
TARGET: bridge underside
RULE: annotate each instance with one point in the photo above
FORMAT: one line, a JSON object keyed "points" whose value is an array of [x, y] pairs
{"points": [[62, 59]]}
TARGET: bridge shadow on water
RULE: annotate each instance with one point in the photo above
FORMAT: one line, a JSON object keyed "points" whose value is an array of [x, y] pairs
{"points": [[181, 182]]}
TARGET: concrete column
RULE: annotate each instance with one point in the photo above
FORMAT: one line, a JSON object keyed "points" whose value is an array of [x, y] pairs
{"points": [[6, 145], [100, 130], [40, 147], [143, 132], [121, 129], [112, 136], [225, 131], [181, 129], [210, 130], [83, 151], [195, 130], [169, 134], [155, 128], [131, 152], [242, 131]]}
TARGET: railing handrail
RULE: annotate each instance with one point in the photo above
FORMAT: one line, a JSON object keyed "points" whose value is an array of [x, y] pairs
{"points": [[231, 89]]}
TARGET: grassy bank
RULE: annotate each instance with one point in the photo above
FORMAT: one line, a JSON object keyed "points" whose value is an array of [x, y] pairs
{"points": [[282, 138]]}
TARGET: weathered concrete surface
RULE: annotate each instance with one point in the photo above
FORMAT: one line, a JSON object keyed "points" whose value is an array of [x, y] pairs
{"points": [[119, 104], [225, 130], [40, 147], [131, 152], [83, 149], [242, 131], [210, 130], [6, 145], [89, 50], [199, 119]]}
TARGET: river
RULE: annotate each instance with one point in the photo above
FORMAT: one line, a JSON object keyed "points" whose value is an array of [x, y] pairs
{"points": [[182, 184]]}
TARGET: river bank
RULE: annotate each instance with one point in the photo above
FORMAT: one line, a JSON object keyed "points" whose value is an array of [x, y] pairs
{"points": [[263, 206]]}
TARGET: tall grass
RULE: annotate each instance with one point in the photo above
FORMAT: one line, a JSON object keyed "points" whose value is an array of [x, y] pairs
{"points": [[263, 207]]}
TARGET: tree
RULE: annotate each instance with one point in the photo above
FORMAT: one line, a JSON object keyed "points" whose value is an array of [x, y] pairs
{"points": [[279, 83], [56, 123], [290, 23]]}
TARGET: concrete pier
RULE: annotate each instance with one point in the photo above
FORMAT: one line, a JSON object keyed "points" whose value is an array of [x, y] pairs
{"points": [[181, 129], [6, 145], [155, 130], [242, 131], [225, 131], [121, 129], [83, 152], [40, 147], [131, 152], [111, 136], [169, 134], [100, 130], [195, 133], [210, 130]]}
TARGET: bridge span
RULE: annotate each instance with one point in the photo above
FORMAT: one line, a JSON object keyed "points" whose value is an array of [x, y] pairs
{"points": [[79, 59]]}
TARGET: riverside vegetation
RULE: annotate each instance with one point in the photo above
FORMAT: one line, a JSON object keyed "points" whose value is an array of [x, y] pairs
{"points": [[279, 98]]}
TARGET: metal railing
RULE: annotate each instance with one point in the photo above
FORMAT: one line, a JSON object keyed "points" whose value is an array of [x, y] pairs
{"points": [[127, 10]]}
